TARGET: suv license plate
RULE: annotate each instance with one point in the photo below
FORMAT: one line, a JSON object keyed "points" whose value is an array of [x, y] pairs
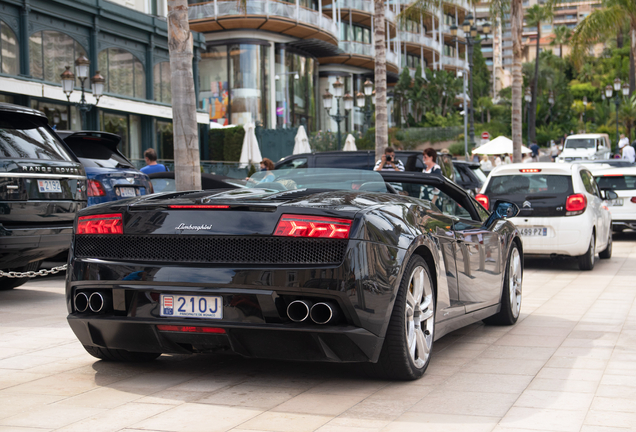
{"points": [[534, 232], [127, 192], [49, 186], [191, 306]]}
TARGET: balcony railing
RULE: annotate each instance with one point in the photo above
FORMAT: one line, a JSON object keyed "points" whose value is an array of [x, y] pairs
{"points": [[455, 62], [417, 38], [303, 15], [352, 47]]}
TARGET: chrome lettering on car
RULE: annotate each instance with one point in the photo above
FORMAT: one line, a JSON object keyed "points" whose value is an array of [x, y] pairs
{"points": [[48, 169], [527, 204], [183, 227]]}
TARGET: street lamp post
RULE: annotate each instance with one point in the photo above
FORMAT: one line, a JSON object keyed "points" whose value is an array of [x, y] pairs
{"points": [[471, 33], [617, 99], [363, 105], [327, 99], [528, 98], [68, 84]]}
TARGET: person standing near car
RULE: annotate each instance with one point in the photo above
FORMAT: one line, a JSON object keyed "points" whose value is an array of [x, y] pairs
{"points": [[629, 153], [624, 141], [388, 162], [151, 163], [430, 161]]}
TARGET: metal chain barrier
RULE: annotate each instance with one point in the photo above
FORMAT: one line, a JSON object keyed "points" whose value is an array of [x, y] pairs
{"points": [[32, 274]]}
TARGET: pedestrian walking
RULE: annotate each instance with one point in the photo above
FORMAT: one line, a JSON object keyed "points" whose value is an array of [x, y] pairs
{"points": [[151, 163]]}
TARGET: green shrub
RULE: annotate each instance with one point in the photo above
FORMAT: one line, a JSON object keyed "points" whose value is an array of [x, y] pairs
{"points": [[457, 148], [233, 143], [217, 137]]}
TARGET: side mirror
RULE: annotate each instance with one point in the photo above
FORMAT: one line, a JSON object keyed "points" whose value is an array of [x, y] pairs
{"points": [[609, 194], [503, 210]]}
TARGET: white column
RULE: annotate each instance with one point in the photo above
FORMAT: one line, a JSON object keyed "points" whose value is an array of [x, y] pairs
{"points": [[216, 10], [441, 35], [297, 10], [272, 86]]}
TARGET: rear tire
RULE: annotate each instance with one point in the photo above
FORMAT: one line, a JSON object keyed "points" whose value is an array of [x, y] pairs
{"points": [[586, 261], [511, 292], [118, 355], [7, 283], [607, 252], [407, 347]]}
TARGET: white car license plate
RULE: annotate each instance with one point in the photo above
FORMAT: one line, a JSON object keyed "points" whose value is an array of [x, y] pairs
{"points": [[615, 202], [127, 192], [534, 232], [49, 186], [191, 306]]}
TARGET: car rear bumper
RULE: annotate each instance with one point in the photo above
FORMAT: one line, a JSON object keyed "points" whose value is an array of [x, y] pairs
{"points": [[624, 224], [18, 247], [568, 235]]}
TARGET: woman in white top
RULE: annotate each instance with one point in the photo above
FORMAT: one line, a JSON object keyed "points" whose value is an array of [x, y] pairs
{"points": [[486, 165], [430, 162]]}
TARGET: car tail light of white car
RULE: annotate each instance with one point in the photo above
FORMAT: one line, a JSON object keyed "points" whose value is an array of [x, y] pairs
{"points": [[575, 205]]}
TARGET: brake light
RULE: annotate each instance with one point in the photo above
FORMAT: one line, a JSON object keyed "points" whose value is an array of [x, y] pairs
{"points": [[633, 199], [200, 207], [94, 188], [530, 170], [100, 224], [613, 175], [575, 204], [190, 329], [483, 200], [313, 226]]}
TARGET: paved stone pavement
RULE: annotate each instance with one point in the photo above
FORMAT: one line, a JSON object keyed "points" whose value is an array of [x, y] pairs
{"points": [[568, 365]]}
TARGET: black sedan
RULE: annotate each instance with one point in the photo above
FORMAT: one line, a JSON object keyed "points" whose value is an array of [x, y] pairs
{"points": [[305, 264]]}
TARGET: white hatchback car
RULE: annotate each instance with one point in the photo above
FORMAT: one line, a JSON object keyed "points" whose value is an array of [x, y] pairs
{"points": [[623, 182], [563, 212]]}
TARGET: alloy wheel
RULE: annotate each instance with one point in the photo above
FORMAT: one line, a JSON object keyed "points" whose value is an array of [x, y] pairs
{"points": [[514, 282], [420, 317]]}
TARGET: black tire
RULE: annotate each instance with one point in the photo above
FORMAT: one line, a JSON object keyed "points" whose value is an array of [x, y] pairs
{"points": [[510, 306], [607, 252], [7, 283], [396, 360], [118, 355], [586, 261]]}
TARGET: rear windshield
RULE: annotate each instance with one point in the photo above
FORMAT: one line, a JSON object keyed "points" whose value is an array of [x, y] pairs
{"points": [[529, 184], [615, 182], [582, 143], [479, 173], [95, 155], [22, 139]]}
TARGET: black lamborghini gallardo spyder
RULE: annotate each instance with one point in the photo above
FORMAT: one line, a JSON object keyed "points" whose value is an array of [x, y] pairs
{"points": [[307, 264]]}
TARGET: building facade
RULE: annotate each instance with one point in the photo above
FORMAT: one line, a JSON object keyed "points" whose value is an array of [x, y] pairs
{"points": [[272, 62], [126, 45]]}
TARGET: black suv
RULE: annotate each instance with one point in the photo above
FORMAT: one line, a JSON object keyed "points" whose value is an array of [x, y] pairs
{"points": [[362, 159], [42, 186]]}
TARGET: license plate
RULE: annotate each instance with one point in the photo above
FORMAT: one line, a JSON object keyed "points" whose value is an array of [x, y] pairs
{"points": [[127, 192], [191, 306], [615, 203], [49, 186], [534, 232]]}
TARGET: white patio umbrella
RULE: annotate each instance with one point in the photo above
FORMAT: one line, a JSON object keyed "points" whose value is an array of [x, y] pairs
{"points": [[250, 153], [500, 145], [301, 142], [350, 144]]}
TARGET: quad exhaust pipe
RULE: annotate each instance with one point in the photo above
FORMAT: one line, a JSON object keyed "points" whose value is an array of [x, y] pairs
{"points": [[319, 313], [96, 302]]}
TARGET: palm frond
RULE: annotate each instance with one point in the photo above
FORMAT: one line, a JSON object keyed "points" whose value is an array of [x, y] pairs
{"points": [[417, 10], [596, 27]]}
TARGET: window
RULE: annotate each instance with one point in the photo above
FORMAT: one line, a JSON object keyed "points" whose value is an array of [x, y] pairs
{"points": [[214, 88], [49, 54], [589, 183], [128, 127], [9, 50], [355, 33], [123, 72], [161, 82], [25, 139]]}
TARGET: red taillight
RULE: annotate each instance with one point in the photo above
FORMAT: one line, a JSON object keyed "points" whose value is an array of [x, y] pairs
{"points": [[483, 200], [200, 207], [190, 329], [100, 224], [633, 199], [94, 188], [575, 204], [530, 170], [313, 226]]}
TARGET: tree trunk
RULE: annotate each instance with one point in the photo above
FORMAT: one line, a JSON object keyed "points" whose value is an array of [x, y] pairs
{"points": [[560, 50], [381, 121], [619, 38], [516, 28], [184, 112], [532, 134], [632, 57]]}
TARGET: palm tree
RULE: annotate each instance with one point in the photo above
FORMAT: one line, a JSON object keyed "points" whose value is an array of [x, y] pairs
{"points": [[536, 16], [381, 119], [562, 36], [184, 110], [602, 24]]}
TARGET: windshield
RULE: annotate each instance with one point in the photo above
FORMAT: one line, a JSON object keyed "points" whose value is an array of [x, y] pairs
{"points": [[580, 143], [318, 178], [22, 139], [529, 184], [93, 154], [616, 182]]}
